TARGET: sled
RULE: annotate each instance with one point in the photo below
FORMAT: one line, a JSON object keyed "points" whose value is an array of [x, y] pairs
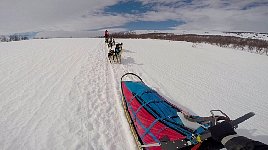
{"points": [[158, 124]]}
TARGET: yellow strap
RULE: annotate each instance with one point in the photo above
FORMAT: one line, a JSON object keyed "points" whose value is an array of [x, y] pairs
{"points": [[198, 139]]}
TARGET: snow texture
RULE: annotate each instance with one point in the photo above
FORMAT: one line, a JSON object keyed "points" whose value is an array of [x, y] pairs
{"points": [[64, 94]]}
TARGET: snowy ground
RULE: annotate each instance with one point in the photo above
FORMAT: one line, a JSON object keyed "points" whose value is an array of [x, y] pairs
{"points": [[63, 93]]}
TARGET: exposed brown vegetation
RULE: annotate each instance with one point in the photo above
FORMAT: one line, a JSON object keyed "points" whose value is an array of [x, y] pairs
{"points": [[251, 45]]}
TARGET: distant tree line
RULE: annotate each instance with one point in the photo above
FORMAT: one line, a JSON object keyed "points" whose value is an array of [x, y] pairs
{"points": [[41, 38], [13, 38], [247, 44]]}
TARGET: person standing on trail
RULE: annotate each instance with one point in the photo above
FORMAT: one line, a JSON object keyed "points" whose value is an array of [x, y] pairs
{"points": [[106, 35]]}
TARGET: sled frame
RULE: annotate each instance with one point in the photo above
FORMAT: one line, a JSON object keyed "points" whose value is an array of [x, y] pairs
{"points": [[130, 121]]}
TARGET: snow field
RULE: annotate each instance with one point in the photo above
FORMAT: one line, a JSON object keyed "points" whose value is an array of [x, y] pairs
{"points": [[64, 94], [206, 77], [54, 95]]}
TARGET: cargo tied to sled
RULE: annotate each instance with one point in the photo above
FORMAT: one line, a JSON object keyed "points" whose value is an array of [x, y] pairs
{"points": [[158, 124]]}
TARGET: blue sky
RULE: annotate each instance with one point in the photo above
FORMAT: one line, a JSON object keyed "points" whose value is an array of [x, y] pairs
{"points": [[127, 15], [137, 8], [128, 7], [255, 4], [140, 8]]}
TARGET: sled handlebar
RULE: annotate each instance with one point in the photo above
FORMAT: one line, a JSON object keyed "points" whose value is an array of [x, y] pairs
{"points": [[233, 123], [133, 74]]}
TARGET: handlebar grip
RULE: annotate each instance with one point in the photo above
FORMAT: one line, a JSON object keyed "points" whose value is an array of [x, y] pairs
{"points": [[242, 119], [234, 123]]}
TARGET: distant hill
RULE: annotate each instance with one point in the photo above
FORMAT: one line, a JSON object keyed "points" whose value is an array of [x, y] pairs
{"points": [[253, 42]]}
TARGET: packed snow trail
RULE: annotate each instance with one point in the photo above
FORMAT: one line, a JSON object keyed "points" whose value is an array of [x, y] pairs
{"points": [[58, 94]]}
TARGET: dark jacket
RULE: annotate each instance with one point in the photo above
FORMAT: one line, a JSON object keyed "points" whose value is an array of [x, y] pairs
{"points": [[243, 143], [233, 143], [106, 34]]}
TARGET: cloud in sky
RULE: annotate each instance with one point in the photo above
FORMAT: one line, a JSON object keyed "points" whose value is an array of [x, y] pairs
{"points": [[85, 15]]}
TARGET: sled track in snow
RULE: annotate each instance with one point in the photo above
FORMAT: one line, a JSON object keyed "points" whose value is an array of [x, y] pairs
{"points": [[97, 124], [62, 103]]}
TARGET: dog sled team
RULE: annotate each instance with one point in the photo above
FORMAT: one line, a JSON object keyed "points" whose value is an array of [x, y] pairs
{"points": [[114, 55]]}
